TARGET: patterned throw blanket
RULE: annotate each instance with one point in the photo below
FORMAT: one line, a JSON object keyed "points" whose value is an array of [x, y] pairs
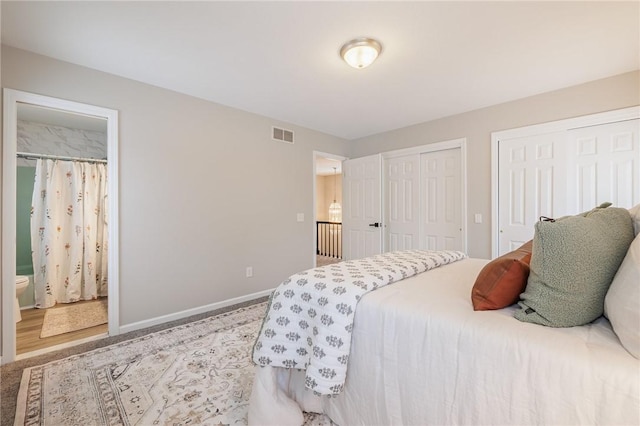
{"points": [[310, 317]]}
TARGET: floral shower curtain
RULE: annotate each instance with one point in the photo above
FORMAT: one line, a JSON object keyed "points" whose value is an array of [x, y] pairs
{"points": [[69, 232]]}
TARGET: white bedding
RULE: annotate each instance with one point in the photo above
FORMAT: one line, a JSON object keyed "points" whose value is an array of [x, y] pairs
{"points": [[420, 355], [310, 317]]}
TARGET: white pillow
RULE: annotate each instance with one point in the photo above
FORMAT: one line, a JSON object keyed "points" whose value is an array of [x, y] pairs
{"points": [[622, 302], [635, 215]]}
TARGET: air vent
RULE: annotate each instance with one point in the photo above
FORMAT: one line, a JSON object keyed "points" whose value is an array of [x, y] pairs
{"points": [[283, 135]]}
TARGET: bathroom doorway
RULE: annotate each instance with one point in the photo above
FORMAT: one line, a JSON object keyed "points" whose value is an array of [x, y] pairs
{"points": [[66, 295]]}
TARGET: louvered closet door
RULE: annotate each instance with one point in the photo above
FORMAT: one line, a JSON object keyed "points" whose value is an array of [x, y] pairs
{"points": [[402, 223], [532, 183], [605, 165]]}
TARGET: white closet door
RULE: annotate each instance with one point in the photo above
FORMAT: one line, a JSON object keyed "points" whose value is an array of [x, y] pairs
{"points": [[605, 165], [441, 199], [532, 183], [402, 206], [362, 210], [561, 168]]}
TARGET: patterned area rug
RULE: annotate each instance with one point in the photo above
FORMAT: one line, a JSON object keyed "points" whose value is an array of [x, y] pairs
{"points": [[195, 374], [74, 317]]}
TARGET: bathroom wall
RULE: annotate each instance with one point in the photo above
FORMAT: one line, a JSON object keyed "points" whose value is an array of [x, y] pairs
{"points": [[44, 139], [24, 264], [58, 140]]}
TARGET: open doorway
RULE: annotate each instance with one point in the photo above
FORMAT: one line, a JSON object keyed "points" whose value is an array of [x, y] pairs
{"points": [[57, 204], [61, 244], [328, 208]]}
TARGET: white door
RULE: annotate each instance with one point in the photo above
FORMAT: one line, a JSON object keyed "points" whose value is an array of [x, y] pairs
{"points": [[441, 200], [563, 168], [531, 183], [402, 206], [564, 173], [605, 165], [362, 210]]}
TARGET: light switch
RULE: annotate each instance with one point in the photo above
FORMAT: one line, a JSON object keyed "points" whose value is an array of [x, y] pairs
{"points": [[478, 218], [300, 217]]}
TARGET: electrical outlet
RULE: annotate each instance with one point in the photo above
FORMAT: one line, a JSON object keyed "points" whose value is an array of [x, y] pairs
{"points": [[249, 271], [478, 218]]}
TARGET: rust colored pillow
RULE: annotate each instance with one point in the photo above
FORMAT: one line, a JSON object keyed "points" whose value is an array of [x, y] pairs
{"points": [[501, 281]]}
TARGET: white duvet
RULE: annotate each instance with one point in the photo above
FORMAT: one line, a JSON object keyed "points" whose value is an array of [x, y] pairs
{"points": [[310, 317], [420, 355]]}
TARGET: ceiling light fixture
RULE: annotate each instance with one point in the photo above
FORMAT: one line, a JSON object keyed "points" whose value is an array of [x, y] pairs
{"points": [[360, 52]]}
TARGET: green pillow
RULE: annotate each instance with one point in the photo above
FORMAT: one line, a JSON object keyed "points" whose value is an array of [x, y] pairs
{"points": [[573, 262]]}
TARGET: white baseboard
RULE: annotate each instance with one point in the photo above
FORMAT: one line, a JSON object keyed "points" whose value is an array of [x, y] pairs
{"points": [[194, 311]]}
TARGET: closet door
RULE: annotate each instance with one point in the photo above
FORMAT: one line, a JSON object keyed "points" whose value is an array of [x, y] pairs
{"points": [[605, 165], [565, 172], [441, 200], [531, 183], [402, 206]]}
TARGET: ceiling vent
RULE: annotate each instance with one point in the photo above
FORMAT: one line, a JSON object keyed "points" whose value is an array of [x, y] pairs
{"points": [[283, 135]]}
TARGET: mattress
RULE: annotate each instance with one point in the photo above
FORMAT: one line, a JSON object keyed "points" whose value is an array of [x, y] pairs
{"points": [[420, 355]]}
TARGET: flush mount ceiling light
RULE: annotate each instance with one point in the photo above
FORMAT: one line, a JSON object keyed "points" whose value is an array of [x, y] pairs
{"points": [[360, 52]]}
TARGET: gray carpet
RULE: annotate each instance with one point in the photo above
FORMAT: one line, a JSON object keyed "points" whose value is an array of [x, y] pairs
{"points": [[11, 374]]}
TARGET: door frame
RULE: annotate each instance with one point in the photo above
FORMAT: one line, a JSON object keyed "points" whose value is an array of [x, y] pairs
{"points": [[623, 114], [315, 155], [9, 183], [461, 144]]}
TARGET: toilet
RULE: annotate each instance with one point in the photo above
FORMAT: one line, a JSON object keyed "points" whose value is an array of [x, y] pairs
{"points": [[22, 282]]}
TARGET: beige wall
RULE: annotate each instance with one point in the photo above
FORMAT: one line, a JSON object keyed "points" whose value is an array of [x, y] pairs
{"points": [[598, 96], [325, 193], [322, 208], [204, 191]]}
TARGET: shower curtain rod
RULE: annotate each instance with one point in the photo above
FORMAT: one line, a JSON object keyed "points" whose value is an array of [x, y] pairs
{"points": [[31, 156]]}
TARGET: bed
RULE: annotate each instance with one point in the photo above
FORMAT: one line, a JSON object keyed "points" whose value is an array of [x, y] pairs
{"points": [[420, 354]]}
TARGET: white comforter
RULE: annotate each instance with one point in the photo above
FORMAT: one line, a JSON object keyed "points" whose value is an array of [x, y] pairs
{"points": [[310, 317], [420, 355]]}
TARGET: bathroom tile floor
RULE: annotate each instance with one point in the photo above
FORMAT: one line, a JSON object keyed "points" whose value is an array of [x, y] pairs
{"points": [[28, 332]]}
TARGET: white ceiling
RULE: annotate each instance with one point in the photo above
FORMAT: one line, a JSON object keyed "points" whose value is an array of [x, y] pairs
{"points": [[280, 59]]}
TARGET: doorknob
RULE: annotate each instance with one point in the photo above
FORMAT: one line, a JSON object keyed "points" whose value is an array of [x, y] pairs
{"points": [[375, 225]]}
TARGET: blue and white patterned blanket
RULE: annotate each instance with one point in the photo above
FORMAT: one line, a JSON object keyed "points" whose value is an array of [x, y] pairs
{"points": [[310, 318]]}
